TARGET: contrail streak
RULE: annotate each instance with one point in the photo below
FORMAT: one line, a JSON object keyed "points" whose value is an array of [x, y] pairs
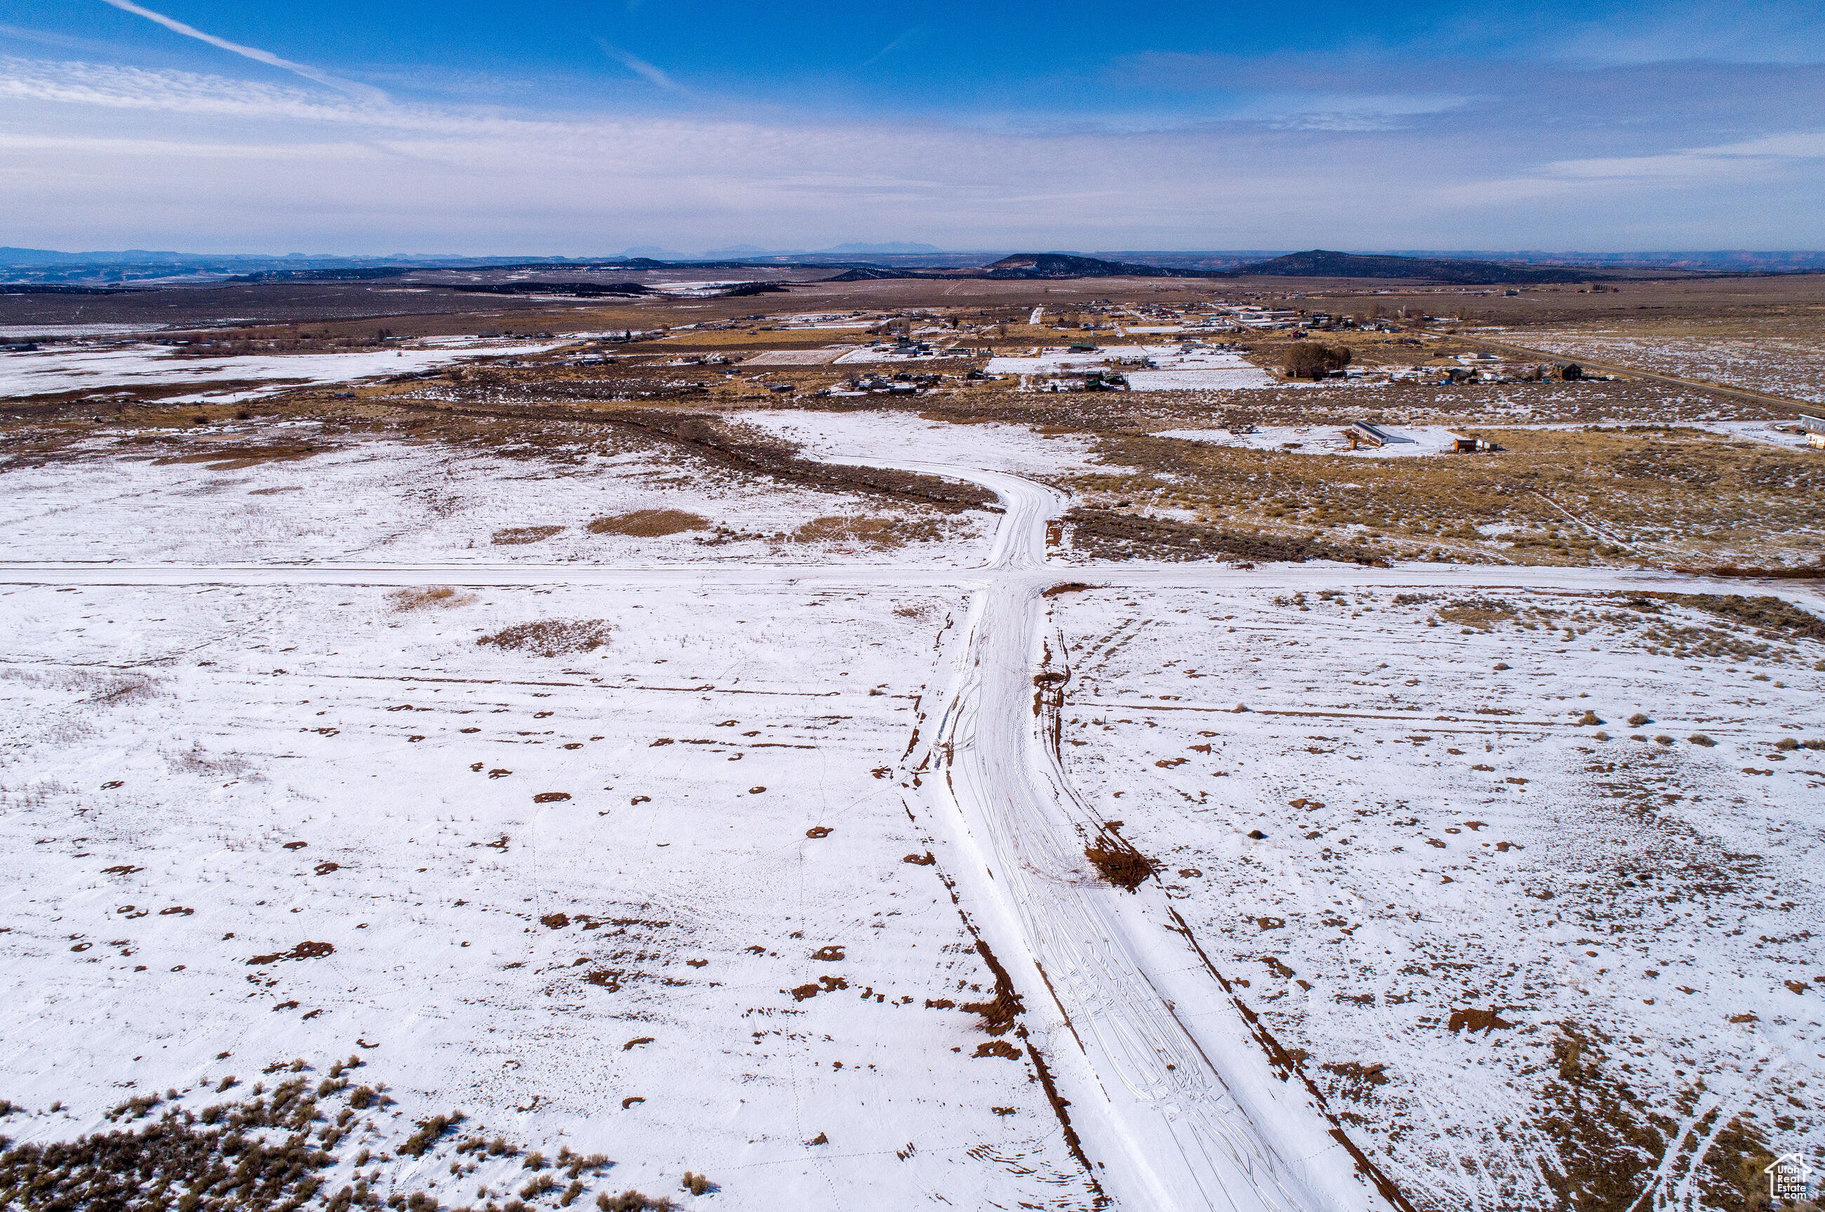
{"points": [[363, 91], [652, 74]]}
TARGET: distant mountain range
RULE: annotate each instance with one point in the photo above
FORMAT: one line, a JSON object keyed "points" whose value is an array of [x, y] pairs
{"points": [[861, 262], [1319, 263], [1028, 267]]}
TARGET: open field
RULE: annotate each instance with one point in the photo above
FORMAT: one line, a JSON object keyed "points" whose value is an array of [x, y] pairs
{"points": [[1526, 945], [485, 868], [303, 491], [1785, 356], [843, 747]]}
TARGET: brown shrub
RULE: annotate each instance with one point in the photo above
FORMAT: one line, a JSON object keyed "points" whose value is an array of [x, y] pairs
{"points": [[551, 637], [870, 532], [1121, 864], [1479, 613], [428, 1134], [633, 1201], [648, 523], [237, 458]]}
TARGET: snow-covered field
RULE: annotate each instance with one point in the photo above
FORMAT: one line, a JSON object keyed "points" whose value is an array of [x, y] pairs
{"points": [[775, 858], [1217, 378], [291, 493], [859, 354], [1773, 433], [522, 863], [1792, 366], [1325, 439], [1471, 907], [55, 370], [1166, 367], [909, 439], [798, 357]]}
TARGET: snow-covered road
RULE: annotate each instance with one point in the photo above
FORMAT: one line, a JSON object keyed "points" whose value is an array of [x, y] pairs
{"points": [[863, 576]]}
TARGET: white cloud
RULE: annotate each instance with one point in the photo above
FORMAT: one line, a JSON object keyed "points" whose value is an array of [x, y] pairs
{"points": [[101, 156], [1742, 160]]}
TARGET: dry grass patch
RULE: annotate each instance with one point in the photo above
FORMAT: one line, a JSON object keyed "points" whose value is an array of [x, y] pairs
{"points": [[1678, 496], [551, 637], [1479, 613], [866, 531], [236, 458], [1772, 616], [524, 534], [423, 597], [648, 523]]}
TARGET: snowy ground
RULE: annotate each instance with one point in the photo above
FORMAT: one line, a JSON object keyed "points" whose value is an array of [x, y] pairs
{"points": [[858, 354], [769, 860], [1408, 828], [1774, 433], [196, 778], [910, 438], [51, 371], [1791, 365], [296, 492], [1325, 439], [798, 357], [1173, 367]]}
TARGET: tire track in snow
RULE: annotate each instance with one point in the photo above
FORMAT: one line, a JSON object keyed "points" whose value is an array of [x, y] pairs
{"points": [[1174, 1115]]}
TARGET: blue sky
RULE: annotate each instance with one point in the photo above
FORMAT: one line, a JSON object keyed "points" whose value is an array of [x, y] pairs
{"points": [[549, 127]]}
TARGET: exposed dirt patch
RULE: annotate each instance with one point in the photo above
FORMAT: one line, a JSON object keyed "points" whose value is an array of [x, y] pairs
{"points": [[1119, 863], [1000, 1012], [235, 458], [1610, 1143], [303, 951], [551, 637], [1477, 1022]]}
